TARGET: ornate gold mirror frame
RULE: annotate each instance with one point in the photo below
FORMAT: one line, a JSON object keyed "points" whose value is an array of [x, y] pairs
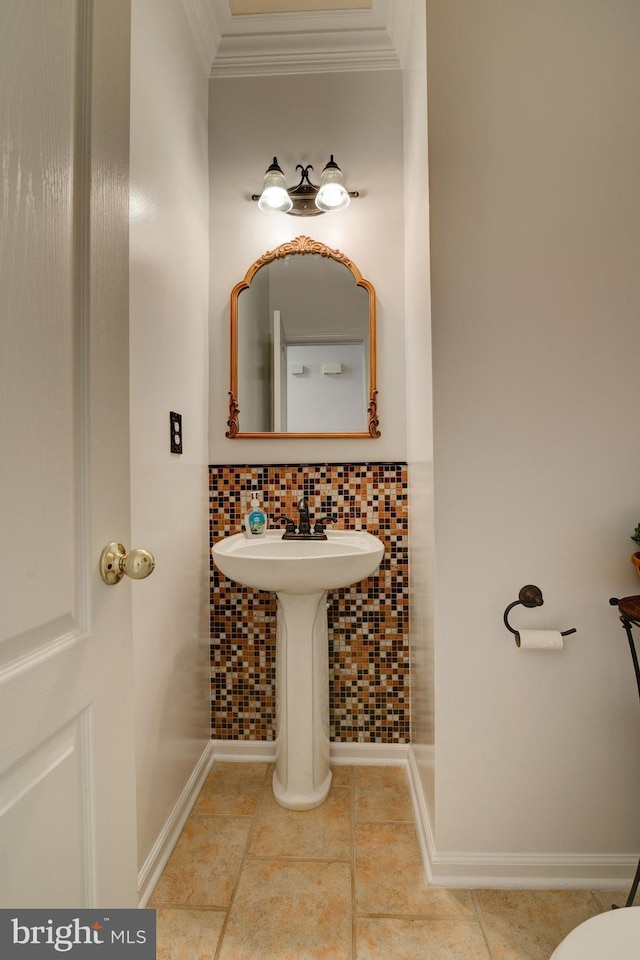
{"points": [[301, 246]]}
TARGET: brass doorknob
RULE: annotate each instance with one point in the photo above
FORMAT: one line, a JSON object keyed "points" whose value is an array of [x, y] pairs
{"points": [[115, 562]]}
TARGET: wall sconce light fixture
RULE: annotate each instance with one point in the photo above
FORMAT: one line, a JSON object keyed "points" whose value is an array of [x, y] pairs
{"points": [[305, 199]]}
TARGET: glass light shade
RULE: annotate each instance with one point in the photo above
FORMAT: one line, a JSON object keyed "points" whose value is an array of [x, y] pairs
{"points": [[332, 194], [274, 194]]}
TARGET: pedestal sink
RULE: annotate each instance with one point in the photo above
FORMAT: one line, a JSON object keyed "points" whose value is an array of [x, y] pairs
{"points": [[300, 572]]}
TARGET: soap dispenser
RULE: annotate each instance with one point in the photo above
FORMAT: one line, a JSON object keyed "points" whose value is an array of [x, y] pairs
{"points": [[255, 522]]}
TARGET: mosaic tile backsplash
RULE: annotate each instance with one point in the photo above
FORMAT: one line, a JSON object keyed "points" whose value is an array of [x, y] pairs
{"points": [[368, 622]]}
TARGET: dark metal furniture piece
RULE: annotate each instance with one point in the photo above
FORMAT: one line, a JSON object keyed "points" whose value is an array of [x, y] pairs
{"points": [[629, 609]]}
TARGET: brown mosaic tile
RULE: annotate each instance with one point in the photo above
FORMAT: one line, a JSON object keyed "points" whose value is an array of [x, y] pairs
{"points": [[368, 622]]}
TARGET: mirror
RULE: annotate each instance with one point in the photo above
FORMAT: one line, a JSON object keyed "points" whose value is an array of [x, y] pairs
{"points": [[303, 347]]}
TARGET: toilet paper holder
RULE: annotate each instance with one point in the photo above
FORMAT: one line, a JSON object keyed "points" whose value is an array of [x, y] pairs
{"points": [[529, 596]]}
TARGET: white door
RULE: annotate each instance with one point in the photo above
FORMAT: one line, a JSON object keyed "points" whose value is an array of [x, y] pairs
{"points": [[279, 374], [67, 795]]}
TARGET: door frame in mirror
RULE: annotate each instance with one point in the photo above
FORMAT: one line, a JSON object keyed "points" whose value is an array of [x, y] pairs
{"points": [[300, 245]]}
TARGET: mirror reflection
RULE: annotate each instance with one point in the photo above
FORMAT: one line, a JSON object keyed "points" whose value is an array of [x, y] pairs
{"points": [[303, 346]]}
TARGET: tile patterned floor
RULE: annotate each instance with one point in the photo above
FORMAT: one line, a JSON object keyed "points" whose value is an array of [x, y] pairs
{"points": [[249, 880]]}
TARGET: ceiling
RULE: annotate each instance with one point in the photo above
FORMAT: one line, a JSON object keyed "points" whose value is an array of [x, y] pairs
{"points": [[240, 38]]}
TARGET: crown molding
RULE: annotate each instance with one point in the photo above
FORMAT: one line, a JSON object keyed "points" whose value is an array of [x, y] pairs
{"points": [[295, 43], [398, 27], [205, 30], [269, 55]]}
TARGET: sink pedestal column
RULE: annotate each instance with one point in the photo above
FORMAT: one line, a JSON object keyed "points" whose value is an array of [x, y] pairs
{"points": [[302, 777]]}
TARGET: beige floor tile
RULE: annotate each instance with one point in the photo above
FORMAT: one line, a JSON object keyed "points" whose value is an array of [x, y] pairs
{"points": [[384, 776], [381, 793], [606, 898], [395, 939], [293, 899], [341, 776], [324, 832], [529, 924], [187, 934], [290, 910], [390, 877], [204, 865], [232, 790]]}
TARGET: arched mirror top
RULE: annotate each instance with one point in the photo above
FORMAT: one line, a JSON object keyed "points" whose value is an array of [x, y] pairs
{"points": [[303, 347]]}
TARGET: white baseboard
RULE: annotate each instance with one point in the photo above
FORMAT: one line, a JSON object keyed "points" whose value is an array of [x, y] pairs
{"points": [[244, 751], [168, 837], [374, 754], [531, 872], [590, 871], [256, 751], [424, 827]]}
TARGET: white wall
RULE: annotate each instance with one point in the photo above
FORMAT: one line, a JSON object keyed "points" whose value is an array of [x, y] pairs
{"points": [[169, 350], [302, 119], [534, 150], [326, 399], [419, 399]]}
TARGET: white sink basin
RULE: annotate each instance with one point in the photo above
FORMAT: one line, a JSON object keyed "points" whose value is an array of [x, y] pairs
{"points": [[298, 566]]}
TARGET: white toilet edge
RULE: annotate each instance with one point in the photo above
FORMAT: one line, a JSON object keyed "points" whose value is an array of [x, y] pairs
{"points": [[612, 934]]}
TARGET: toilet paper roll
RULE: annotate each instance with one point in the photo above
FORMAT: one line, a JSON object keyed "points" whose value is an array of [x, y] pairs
{"points": [[540, 640]]}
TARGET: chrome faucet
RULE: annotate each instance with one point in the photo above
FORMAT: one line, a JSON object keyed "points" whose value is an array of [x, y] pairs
{"points": [[303, 530]]}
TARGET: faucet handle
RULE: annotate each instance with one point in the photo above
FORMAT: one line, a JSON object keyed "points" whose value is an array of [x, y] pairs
{"points": [[290, 524], [321, 521]]}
